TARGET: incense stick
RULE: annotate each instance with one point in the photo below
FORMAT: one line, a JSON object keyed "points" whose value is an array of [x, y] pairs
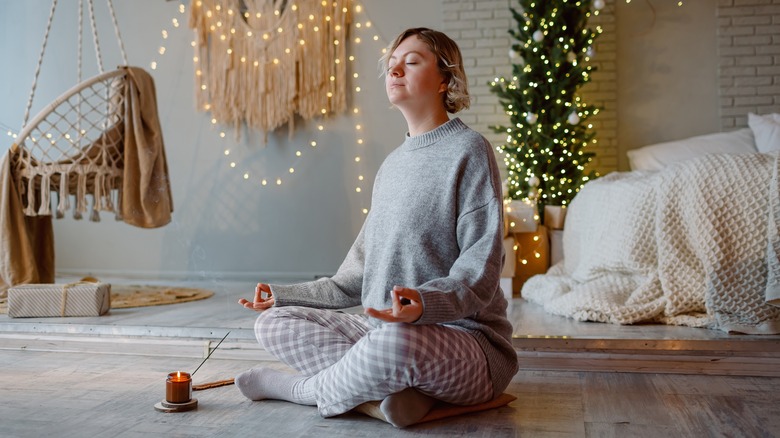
{"points": [[209, 355]]}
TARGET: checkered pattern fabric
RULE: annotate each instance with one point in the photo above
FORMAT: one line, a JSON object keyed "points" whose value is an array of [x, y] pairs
{"points": [[352, 363]]}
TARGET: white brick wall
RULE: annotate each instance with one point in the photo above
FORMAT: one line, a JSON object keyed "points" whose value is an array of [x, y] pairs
{"points": [[480, 29], [749, 52], [748, 48]]}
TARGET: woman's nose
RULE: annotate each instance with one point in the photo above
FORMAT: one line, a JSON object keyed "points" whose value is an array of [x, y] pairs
{"points": [[395, 71]]}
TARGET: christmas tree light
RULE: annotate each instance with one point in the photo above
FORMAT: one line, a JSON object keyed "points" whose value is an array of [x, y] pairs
{"points": [[548, 129]]}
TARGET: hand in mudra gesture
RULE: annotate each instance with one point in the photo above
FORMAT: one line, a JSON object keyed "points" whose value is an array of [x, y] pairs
{"points": [[260, 303], [407, 306]]}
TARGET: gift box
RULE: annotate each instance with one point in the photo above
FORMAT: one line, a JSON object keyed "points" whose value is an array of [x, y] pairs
{"points": [[521, 217], [556, 247], [510, 259], [554, 217], [57, 300], [533, 256], [506, 287]]}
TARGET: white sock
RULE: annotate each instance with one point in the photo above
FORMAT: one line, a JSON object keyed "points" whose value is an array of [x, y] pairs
{"points": [[264, 383], [406, 407]]}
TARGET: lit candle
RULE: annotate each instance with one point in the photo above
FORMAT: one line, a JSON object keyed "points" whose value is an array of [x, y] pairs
{"points": [[178, 387]]}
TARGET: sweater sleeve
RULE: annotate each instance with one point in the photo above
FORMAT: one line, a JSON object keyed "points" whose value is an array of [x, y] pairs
{"points": [[337, 292], [474, 278]]}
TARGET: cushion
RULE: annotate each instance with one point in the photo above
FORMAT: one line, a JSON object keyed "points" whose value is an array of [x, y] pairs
{"points": [[766, 130], [441, 410], [657, 156]]}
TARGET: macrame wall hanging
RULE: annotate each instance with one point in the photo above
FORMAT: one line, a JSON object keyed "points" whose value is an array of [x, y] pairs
{"points": [[262, 62]]}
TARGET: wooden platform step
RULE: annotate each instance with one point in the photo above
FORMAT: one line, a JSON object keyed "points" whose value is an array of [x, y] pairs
{"points": [[753, 357]]}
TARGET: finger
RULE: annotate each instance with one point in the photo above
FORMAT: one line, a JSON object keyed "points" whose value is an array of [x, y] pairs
{"points": [[263, 288], [396, 302], [406, 294], [384, 315], [265, 304]]}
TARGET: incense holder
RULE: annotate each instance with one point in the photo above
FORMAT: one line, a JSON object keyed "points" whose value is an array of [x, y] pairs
{"points": [[167, 407], [178, 394]]}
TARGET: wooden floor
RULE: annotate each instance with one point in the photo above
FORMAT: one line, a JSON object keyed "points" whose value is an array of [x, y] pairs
{"points": [[102, 376]]}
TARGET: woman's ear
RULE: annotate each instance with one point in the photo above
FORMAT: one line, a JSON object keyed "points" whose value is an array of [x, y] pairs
{"points": [[443, 87]]}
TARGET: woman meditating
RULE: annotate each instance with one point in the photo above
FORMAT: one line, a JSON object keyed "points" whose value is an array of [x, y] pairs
{"points": [[425, 267]]}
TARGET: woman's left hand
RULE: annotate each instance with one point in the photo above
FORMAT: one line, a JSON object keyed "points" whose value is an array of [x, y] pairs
{"points": [[409, 311]]}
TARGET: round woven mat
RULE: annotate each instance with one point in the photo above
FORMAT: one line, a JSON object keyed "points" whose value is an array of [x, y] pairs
{"points": [[124, 296]]}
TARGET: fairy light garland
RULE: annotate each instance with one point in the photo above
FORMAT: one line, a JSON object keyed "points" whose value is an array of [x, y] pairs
{"points": [[361, 32], [164, 35]]}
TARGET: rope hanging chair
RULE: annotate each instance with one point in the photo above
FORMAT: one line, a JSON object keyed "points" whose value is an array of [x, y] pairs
{"points": [[74, 146]]}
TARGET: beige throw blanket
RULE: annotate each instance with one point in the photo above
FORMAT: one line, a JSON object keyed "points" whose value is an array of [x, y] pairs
{"points": [[27, 242], [694, 244]]}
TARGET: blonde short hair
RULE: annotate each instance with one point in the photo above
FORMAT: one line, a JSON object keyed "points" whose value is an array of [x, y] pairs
{"points": [[448, 59]]}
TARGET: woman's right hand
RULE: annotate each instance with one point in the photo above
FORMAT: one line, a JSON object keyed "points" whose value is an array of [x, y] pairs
{"points": [[260, 303]]}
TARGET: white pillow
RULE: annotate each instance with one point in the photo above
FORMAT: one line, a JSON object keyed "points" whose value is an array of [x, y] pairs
{"points": [[659, 155], [766, 130]]}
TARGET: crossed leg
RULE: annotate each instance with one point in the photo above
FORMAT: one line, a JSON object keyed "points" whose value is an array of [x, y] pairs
{"points": [[345, 362]]}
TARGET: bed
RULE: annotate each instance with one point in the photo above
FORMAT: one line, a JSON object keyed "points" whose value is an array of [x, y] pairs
{"points": [[688, 237]]}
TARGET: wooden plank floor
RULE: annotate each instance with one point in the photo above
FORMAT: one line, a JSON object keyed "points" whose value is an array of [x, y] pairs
{"points": [[102, 376], [77, 395]]}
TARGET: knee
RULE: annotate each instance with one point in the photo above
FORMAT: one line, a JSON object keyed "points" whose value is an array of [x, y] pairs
{"points": [[266, 318], [266, 323], [395, 339]]}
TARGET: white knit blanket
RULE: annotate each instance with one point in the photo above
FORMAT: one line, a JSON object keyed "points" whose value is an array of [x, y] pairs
{"points": [[695, 244]]}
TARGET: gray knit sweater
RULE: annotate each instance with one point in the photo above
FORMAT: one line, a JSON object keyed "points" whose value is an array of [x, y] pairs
{"points": [[435, 226]]}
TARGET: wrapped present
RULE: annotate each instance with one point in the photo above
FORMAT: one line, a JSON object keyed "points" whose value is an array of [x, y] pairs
{"points": [[72, 299], [510, 258], [533, 256], [506, 287], [556, 246], [521, 216], [554, 216]]}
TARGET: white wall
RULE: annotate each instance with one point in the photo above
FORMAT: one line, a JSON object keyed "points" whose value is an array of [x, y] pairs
{"points": [[224, 225]]}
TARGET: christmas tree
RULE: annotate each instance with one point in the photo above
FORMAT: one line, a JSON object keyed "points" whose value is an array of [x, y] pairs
{"points": [[545, 150]]}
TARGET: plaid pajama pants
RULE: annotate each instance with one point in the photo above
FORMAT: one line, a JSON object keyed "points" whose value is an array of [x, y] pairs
{"points": [[352, 362]]}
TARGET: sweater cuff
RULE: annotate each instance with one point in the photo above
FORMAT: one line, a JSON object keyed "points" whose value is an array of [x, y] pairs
{"points": [[431, 302]]}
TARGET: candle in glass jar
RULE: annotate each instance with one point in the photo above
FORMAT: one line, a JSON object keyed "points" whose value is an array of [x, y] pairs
{"points": [[178, 387]]}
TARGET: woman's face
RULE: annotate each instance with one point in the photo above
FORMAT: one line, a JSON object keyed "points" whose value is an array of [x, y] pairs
{"points": [[413, 78]]}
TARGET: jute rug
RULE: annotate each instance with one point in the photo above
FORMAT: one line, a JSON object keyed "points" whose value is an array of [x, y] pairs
{"points": [[125, 296]]}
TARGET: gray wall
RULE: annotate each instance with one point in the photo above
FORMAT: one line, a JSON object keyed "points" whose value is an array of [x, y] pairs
{"points": [[661, 78], [224, 226], [667, 72]]}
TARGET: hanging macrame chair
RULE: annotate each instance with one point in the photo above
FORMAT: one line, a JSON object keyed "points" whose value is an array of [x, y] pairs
{"points": [[74, 146]]}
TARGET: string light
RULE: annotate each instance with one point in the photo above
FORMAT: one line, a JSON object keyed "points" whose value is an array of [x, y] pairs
{"points": [[164, 34], [356, 113]]}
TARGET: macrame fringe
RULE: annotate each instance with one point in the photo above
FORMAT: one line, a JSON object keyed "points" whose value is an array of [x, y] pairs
{"points": [[90, 160], [261, 68], [37, 192], [64, 199]]}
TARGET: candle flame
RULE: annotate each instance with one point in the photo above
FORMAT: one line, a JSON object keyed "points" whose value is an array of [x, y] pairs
{"points": [[178, 374]]}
